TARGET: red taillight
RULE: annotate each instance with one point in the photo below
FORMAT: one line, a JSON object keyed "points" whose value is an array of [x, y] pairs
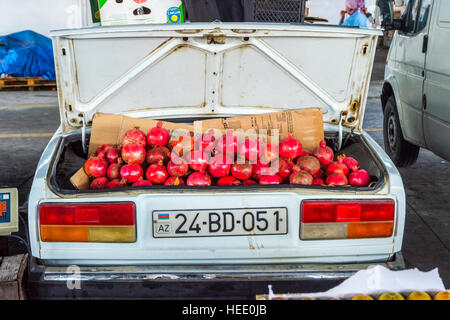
{"points": [[347, 211], [326, 219], [102, 222]]}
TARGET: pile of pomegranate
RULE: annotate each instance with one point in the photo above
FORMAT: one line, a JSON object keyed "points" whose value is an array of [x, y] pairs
{"points": [[156, 158]]}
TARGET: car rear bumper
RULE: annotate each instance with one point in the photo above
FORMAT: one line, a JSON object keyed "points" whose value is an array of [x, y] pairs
{"points": [[188, 282]]}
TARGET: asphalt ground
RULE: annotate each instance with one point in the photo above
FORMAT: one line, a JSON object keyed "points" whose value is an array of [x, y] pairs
{"points": [[28, 120]]}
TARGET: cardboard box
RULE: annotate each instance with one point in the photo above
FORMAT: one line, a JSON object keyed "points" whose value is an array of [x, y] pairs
{"points": [[306, 125], [109, 129], [119, 12]]}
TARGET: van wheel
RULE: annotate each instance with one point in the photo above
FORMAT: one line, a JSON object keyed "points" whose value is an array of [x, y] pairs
{"points": [[402, 152]]}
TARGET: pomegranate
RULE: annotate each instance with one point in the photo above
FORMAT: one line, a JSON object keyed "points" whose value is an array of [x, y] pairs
{"points": [[198, 160], [113, 171], [199, 179], [158, 155], [116, 183], [134, 136], [249, 149], [102, 149], [269, 151], [290, 147], [317, 182], [323, 153], [337, 179], [301, 177], [181, 145], [99, 183], [228, 181], [337, 166], [249, 182], [309, 163], [260, 169], [242, 171], [207, 142], [141, 183], [113, 155], [359, 177], [219, 165], [227, 144], [350, 162], [270, 179], [177, 168], [158, 136], [95, 167], [156, 174], [174, 181], [131, 172], [133, 153], [285, 167]]}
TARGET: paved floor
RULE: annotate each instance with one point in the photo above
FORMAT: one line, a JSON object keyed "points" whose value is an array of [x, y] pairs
{"points": [[29, 118]]}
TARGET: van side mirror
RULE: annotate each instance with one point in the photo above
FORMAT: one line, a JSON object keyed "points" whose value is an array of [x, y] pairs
{"points": [[387, 20]]}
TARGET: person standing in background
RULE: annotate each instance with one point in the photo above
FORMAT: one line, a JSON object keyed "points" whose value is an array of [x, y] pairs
{"points": [[357, 16]]}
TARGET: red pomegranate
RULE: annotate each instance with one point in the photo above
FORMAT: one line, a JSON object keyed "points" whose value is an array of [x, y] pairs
{"points": [[219, 165], [131, 172], [181, 145], [199, 179], [249, 182], [134, 136], [323, 153], [207, 142], [116, 183], [102, 149], [158, 136], [113, 171], [198, 160], [338, 166], [270, 179], [174, 181], [242, 171], [95, 167], [99, 183], [309, 163], [142, 183], [285, 167], [156, 174], [178, 167], [133, 153], [317, 182], [337, 179], [269, 152], [359, 177], [228, 181], [260, 169], [227, 144], [290, 147], [301, 177], [113, 155], [350, 162], [249, 149], [158, 155]]}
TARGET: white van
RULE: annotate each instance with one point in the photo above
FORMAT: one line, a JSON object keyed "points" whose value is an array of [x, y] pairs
{"points": [[416, 90]]}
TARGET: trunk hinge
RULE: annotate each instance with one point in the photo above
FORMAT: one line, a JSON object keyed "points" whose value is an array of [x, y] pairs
{"points": [[339, 142], [83, 135]]}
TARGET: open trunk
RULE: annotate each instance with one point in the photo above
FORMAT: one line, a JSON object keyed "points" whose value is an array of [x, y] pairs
{"points": [[71, 157]]}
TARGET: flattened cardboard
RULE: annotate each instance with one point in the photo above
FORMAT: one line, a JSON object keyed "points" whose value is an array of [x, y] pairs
{"points": [[306, 125], [109, 129]]}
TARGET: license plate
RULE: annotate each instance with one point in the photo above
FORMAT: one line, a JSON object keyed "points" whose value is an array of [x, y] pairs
{"points": [[224, 222]]}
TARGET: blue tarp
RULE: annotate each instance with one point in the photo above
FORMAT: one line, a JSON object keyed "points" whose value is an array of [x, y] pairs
{"points": [[27, 54]]}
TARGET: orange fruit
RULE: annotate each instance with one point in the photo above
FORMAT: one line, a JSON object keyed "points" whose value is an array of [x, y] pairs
{"points": [[443, 295], [418, 295], [391, 296], [362, 297]]}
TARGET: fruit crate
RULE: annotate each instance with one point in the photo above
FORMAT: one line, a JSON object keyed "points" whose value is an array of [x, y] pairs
{"points": [[30, 83], [283, 11]]}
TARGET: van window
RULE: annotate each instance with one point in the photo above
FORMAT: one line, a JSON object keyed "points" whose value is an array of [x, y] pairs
{"points": [[411, 16], [425, 11]]}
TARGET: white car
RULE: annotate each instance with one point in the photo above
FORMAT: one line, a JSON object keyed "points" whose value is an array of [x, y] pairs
{"points": [[197, 71], [416, 90]]}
